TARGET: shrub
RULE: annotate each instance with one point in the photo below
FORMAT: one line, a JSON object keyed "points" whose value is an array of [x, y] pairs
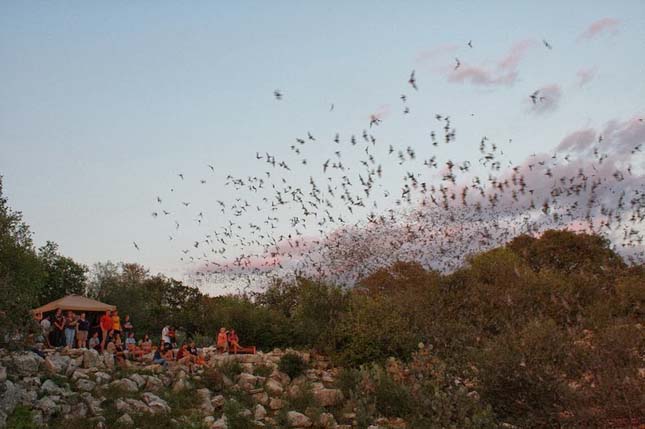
{"points": [[21, 418], [234, 418], [292, 364], [231, 368], [262, 370]]}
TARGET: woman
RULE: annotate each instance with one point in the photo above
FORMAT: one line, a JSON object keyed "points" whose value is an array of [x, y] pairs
{"points": [[58, 335], [233, 341], [116, 322], [222, 340], [70, 329], [146, 344], [82, 329]]}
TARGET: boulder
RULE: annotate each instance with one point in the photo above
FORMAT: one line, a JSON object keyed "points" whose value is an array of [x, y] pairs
{"points": [[47, 405], [9, 397], [85, 385], [327, 421], [138, 379], [247, 381], [93, 404], [156, 404], [50, 388], [298, 420], [276, 404], [261, 398], [125, 384], [218, 401], [26, 364], [328, 397], [136, 406], [220, 423], [3, 374], [57, 364], [259, 412], [205, 404], [273, 387], [153, 383], [102, 377], [125, 420], [90, 358]]}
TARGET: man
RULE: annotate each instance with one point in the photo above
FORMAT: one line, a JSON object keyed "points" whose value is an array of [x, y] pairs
{"points": [[106, 326], [46, 327], [82, 329]]}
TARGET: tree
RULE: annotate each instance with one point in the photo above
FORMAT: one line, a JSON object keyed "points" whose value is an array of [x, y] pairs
{"points": [[21, 274], [63, 276]]}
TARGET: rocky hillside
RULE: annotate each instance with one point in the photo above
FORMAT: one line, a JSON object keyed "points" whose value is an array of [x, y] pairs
{"points": [[82, 388]]}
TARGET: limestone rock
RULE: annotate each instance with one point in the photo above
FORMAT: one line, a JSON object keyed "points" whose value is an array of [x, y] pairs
{"points": [[102, 377], [156, 404], [298, 420], [125, 384], [218, 401], [328, 397], [125, 420], [273, 387], [138, 379], [56, 363], [259, 412], [51, 388], [26, 364], [85, 385], [327, 421]]}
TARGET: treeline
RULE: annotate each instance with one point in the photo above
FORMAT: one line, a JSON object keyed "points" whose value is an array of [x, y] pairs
{"points": [[548, 331]]}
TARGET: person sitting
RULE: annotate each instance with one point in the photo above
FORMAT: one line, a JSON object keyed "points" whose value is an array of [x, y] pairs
{"points": [[95, 342], [131, 348], [158, 358], [198, 357], [222, 340], [185, 358], [233, 341], [145, 344], [119, 350]]}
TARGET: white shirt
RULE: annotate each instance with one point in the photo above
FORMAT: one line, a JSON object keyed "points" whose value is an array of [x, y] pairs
{"points": [[45, 325], [164, 334]]}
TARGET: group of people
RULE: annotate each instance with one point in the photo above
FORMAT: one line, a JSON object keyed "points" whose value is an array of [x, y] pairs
{"points": [[73, 330], [117, 337]]}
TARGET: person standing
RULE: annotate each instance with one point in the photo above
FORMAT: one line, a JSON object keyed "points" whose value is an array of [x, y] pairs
{"points": [[70, 329], [165, 335], [58, 335], [46, 327], [82, 329], [106, 326], [116, 322], [127, 325]]}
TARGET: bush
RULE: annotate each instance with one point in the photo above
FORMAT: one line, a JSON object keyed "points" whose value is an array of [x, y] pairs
{"points": [[231, 368], [262, 370], [292, 364], [234, 418], [21, 418]]}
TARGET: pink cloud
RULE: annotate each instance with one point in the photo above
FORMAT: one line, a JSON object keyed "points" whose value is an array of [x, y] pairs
{"points": [[481, 76], [604, 25], [577, 141], [515, 55], [505, 73], [437, 51], [586, 75]]}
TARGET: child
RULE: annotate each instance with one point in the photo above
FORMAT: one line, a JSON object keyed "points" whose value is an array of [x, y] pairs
{"points": [[95, 342]]}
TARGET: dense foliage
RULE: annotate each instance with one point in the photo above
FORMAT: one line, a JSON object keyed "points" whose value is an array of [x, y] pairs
{"points": [[548, 330]]}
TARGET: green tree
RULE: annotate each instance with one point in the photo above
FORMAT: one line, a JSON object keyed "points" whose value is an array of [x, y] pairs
{"points": [[63, 276]]}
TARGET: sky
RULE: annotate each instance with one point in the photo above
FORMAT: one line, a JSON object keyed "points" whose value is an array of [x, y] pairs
{"points": [[103, 104]]}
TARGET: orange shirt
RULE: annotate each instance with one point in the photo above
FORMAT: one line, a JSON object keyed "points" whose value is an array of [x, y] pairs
{"points": [[106, 323], [222, 339]]}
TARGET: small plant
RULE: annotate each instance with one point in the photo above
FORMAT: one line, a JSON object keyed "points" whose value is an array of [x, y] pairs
{"points": [[262, 370], [348, 381], [292, 364], [212, 379], [303, 399], [21, 418], [234, 417], [231, 368], [392, 399]]}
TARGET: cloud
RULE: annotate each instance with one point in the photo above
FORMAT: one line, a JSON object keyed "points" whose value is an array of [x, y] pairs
{"points": [[548, 99], [577, 141], [437, 51], [602, 26], [586, 75], [505, 72]]}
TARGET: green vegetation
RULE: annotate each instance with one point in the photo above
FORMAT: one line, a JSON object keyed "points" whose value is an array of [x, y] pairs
{"points": [[542, 332], [21, 418], [292, 364]]}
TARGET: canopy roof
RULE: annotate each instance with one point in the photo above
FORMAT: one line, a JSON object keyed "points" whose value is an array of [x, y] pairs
{"points": [[74, 303]]}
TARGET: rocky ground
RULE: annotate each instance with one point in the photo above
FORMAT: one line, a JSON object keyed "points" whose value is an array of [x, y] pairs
{"points": [[82, 388]]}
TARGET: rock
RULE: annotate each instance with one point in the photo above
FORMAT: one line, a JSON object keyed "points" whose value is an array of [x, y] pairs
{"points": [[153, 383], [261, 398], [328, 397], [85, 385], [138, 379], [79, 373], [276, 404], [327, 421], [218, 401], [180, 385], [107, 359], [247, 381], [3, 374], [156, 404], [90, 358], [205, 404], [26, 364], [93, 404], [9, 397], [259, 412], [273, 387], [121, 406], [136, 406], [47, 405], [125, 420], [220, 423], [125, 384], [298, 420], [51, 388], [56, 363], [79, 410], [102, 377]]}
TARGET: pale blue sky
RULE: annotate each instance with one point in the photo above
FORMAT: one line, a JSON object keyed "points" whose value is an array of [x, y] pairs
{"points": [[103, 103]]}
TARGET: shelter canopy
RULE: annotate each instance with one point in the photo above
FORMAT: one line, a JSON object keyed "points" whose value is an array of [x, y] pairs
{"points": [[74, 303]]}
